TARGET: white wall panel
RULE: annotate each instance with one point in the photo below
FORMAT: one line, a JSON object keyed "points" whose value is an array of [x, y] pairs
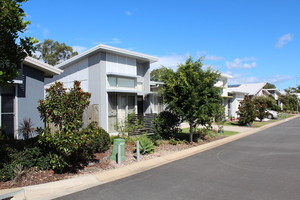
{"points": [[120, 64], [78, 71]]}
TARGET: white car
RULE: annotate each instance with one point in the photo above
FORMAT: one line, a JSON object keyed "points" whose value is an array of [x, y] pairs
{"points": [[272, 114]]}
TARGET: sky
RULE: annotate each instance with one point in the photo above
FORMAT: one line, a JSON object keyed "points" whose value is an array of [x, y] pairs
{"points": [[251, 40]]}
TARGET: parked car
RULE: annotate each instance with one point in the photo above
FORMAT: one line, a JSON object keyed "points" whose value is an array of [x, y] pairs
{"points": [[272, 114]]}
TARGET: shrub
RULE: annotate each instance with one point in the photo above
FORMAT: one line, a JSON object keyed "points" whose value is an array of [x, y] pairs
{"points": [[97, 139], [246, 111], [166, 124], [130, 126], [16, 153], [146, 145], [73, 149], [202, 134], [26, 129], [174, 141]]}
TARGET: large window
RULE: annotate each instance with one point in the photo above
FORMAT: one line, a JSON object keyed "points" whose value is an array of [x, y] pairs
{"points": [[121, 82]]}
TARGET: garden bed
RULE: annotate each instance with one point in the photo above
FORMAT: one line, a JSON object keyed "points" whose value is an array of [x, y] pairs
{"points": [[100, 163]]}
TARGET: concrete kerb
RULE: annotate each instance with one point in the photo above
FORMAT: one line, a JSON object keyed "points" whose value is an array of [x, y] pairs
{"points": [[64, 187]]}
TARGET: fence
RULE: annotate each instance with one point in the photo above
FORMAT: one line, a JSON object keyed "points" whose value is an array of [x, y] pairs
{"points": [[91, 114]]}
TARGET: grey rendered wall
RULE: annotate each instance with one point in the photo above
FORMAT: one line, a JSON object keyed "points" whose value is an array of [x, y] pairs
{"points": [[97, 86], [28, 95]]}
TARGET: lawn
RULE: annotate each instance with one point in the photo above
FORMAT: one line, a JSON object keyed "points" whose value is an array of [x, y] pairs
{"points": [[226, 133]]}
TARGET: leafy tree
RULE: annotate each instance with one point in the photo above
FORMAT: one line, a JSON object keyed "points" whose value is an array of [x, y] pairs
{"points": [[64, 109], [293, 89], [71, 144], [53, 52], [190, 92], [166, 124], [269, 86], [289, 101], [247, 111], [160, 74], [13, 48], [261, 104]]}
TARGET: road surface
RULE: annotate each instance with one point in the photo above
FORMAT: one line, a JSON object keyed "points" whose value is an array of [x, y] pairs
{"points": [[264, 166]]}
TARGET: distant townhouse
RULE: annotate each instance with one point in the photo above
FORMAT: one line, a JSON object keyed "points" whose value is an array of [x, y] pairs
{"points": [[19, 100], [239, 91]]}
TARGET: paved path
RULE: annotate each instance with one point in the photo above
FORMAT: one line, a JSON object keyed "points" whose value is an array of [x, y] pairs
{"points": [[239, 129], [264, 166]]}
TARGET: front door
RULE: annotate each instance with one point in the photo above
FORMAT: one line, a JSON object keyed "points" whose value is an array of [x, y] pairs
{"points": [[112, 112], [140, 105]]}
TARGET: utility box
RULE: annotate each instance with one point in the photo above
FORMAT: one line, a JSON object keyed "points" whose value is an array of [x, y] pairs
{"points": [[117, 142]]}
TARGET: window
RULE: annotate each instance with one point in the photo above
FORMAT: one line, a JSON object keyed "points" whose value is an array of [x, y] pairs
{"points": [[126, 82], [112, 81], [157, 104], [121, 82]]}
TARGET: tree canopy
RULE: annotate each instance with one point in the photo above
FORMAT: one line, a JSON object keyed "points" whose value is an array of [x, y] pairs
{"points": [[247, 111], [191, 93], [160, 74], [13, 48], [269, 86], [293, 89], [53, 52], [261, 104]]}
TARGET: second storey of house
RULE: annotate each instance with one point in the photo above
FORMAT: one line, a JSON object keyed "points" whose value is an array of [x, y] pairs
{"points": [[107, 69]]}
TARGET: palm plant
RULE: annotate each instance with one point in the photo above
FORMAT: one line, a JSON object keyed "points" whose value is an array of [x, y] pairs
{"points": [[26, 128]]}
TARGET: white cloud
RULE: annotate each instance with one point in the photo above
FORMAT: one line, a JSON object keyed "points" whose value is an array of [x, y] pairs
{"points": [[79, 49], [279, 78], [240, 63], [170, 61], [45, 32], [241, 79], [283, 40], [244, 80], [128, 13], [115, 40], [207, 56]]}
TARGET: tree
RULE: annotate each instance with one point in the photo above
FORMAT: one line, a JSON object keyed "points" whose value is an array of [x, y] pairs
{"points": [[64, 109], [190, 92], [13, 48], [160, 74], [53, 52], [269, 86], [261, 104], [289, 101], [293, 89], [246, 111]]}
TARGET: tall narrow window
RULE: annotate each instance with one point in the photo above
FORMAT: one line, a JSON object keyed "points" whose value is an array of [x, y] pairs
{"points": [[7, 110]]}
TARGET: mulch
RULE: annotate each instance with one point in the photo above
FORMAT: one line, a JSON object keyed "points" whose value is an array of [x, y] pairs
{"points": [[100, 163]]}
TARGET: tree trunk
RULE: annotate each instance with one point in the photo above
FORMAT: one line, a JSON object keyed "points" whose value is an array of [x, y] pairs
{"points": [[191, 132]]}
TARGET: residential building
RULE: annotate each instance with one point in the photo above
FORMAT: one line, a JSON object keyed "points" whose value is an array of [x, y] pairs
{"points": [[118, 80], [223, 83], [19, 100], [239, 91]]}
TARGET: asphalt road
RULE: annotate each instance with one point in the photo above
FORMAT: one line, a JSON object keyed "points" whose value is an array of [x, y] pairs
{"points": [[263, 166]]}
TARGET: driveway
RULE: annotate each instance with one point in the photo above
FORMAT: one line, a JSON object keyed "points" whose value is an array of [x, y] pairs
{"points": [[264, 166]]}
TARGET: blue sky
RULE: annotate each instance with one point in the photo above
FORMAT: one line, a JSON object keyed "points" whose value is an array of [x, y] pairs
{"points": [[252, 40]]}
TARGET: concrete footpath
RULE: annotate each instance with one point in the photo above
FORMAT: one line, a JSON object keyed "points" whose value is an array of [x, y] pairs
{"points": [[64, 187]]}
